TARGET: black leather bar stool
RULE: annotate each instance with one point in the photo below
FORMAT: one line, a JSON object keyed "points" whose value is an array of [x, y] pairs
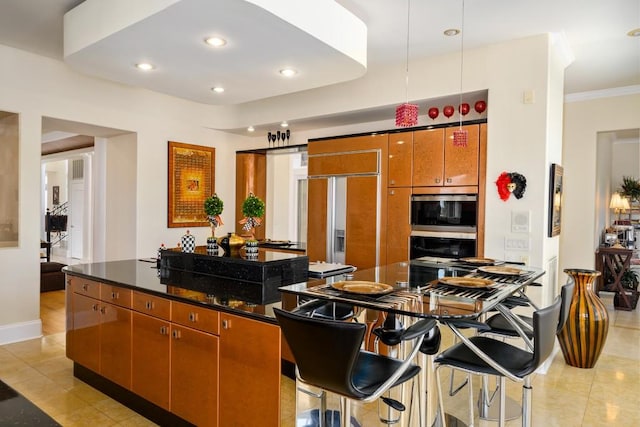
{"points": [[486, 356], [328, 355]]}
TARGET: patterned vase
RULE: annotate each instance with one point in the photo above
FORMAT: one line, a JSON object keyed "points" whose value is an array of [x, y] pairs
{"points": [[583, 336]]}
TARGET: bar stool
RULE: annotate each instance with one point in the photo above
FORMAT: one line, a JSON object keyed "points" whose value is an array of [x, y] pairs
{"points": [[328, 355], [486, 356]]}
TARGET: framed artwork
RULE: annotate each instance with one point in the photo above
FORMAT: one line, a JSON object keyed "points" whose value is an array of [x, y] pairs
{"points": [[555, 199], [191, 180], [56, 195]]}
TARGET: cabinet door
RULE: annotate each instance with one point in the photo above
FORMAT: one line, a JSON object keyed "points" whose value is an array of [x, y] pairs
{"points": [[461, 163], [249, 372], [86, 335], [194, 392], [150, 359], [361, 243], [317, 219], [115, 344], [398, 224], [400, 159], [428, 157]]}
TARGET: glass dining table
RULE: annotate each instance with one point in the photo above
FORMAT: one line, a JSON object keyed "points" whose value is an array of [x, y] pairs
{"points": [[447, 291]]}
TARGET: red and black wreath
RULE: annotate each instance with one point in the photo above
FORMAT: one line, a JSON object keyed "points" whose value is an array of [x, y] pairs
{"points": [[511, 183]]}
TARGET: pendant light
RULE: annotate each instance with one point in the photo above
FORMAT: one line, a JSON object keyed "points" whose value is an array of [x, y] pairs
{"points": [[407, 114], [461, 136]]}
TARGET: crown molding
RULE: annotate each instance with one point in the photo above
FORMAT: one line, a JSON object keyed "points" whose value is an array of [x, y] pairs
{"points": [[604, 93]]}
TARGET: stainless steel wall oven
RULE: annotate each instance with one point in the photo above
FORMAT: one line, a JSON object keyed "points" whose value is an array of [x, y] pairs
{"points": [[443, 225]]}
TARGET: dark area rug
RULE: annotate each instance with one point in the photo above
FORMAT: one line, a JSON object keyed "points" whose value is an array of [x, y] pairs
{"points": [[15, 410]]}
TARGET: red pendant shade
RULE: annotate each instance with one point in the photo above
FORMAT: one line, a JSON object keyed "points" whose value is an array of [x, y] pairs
{"points": [[406, 115], [460, 137]]}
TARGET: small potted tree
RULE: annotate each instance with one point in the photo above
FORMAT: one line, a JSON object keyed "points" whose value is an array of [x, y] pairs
{"points": [[629, 281], [213, 207], [253, 211]]}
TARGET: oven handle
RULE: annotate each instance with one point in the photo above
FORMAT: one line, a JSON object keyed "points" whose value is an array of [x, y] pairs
{"points": [[444, 234]]}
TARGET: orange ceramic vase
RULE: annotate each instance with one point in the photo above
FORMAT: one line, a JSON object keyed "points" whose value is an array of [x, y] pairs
{"points": [[583, 336]]}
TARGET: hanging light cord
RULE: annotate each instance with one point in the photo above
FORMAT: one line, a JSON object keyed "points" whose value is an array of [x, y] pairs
{"points": [[406, 71], [461, 62]]}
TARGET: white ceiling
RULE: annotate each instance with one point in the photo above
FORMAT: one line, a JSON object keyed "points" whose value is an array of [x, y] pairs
{"points": [[596, 30]]}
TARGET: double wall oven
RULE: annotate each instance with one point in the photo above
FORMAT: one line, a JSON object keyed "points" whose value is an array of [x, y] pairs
{"points": [[443, 226]]}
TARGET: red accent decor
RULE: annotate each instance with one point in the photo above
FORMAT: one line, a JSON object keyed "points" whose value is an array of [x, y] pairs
{"points": [[480, 106], [502, 183], [433, 112], [464, 109], [460, 137], [407, 115], [448, 110]]}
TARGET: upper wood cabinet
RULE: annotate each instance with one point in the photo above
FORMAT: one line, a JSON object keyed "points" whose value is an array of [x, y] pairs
{"points": [[400, 159], [437, 162]]}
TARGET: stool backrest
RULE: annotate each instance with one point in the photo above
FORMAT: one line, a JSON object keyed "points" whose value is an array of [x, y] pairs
{"points": [[545, 323], [325, 350], [566, 295]]}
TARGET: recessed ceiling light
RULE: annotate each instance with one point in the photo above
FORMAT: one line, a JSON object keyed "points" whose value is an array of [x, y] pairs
{"points": [[451, 32], [218, 89], [251, 129], [284, 124], [144, 66], [215, 41], [634, 33], [288, 72]]}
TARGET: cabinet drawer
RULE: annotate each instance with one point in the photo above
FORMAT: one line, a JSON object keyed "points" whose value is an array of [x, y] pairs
{"points": [[116, 295], [204, 319], [152, 305], [83, 286]]}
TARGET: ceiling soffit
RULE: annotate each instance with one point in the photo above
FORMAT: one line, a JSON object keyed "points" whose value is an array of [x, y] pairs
{"points": [[263, 37]]}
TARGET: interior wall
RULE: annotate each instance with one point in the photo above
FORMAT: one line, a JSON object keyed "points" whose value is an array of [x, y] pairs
{"points": [[584, 119], [121, 192], [624, 162], [604, 151]]}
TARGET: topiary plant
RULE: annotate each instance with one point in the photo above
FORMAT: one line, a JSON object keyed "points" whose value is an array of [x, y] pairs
{"points": [[253, 207], [213, 207], [630, 188]]}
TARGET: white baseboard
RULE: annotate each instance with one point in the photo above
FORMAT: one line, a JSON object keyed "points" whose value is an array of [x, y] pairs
{"points": [[16, 332]]}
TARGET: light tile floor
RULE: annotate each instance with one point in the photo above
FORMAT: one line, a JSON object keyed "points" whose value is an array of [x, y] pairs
{"points": [[606, 395]]}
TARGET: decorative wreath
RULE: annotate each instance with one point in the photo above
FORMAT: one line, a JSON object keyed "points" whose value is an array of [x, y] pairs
{"points": [[511, 183]]}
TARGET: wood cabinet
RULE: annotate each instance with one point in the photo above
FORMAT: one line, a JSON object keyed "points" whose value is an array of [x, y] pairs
{"points": [[249, 372], [398, 224], [101, 331], [194, 375], [437, 162], [150, 358], [400, 159], [194, 392]]}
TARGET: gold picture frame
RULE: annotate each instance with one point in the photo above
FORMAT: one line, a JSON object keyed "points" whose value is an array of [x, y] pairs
{"points": [[191, 176], [555, 199]]}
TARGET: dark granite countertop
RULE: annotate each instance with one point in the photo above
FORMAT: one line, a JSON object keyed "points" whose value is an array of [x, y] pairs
{"points": [[283, 245], [240, 297]]}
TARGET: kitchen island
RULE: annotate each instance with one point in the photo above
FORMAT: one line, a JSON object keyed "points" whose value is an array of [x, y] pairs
{"points": [[178, 347]]}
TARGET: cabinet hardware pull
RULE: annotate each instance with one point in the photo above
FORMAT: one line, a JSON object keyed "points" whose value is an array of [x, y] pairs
{"points": [[176, 334], [163, 330], [149, 305], [392, 192], [193, 317], [437, 180], [393, 181], [85, 287], [226, 324], [95, 307], [114, 295], [103, 310], [449, 180]]}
